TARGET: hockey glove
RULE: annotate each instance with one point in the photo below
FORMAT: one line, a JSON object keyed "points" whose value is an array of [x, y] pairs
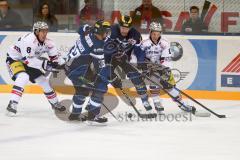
{"points": [[116, 82], [165, 73], [168, 82], [50, 66], [60, 61]]}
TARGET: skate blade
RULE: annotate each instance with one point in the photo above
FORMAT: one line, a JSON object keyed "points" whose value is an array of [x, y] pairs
{"points": [[93, 123], [160, 113], [148, 116], [202, 114]]}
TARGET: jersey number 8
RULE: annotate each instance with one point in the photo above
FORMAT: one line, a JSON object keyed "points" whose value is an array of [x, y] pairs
{"points": [[28, 49]]}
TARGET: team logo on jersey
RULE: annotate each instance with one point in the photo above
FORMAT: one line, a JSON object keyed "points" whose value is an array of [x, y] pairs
{"points": [[110, 47], [176, 50], [231, 73]]}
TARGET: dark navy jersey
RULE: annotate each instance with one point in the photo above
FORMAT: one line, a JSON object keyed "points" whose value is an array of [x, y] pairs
{"points": [[87, 44], [128, 43]]}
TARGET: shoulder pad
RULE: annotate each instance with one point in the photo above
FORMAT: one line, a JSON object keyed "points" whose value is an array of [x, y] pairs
{"points": [[83, 30], [146, 42], [164, 43]]}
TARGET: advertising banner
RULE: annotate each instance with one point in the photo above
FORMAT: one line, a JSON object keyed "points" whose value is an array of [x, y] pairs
{"points": [[228, 77]]}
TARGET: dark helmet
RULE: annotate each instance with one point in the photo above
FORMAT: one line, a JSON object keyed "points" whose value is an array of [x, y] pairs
{"points": [[125, 21], [101, 27]]}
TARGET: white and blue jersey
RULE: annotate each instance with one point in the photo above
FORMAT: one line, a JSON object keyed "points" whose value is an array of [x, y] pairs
{"points": [[87, 49], [156, 53], [87, 45]]}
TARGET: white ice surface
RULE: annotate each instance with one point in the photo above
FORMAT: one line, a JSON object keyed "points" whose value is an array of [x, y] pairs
{"points": [[37, 134]]}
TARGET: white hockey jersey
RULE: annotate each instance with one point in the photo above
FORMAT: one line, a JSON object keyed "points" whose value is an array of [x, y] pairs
{"points": [[157, 53], [28, 50]]}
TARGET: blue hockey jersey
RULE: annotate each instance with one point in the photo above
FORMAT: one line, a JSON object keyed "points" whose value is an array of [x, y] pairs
{"points": [[87, 45], [127, 43]]}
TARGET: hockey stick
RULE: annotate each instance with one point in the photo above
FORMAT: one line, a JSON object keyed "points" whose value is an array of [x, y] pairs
{"points": [[110, 111], [218, 115], [191, 98], [198, 114], [206, 6], [86, 81], [146, 116], [53, 72], [151, 115]]}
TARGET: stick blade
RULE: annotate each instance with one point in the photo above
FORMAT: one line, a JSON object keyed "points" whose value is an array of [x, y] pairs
{"points": [[148, 116], [206, 6], [221, 116]]}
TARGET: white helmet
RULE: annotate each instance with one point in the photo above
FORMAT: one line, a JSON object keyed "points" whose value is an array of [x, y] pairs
{"points": [[39, 25], [155, 26]]}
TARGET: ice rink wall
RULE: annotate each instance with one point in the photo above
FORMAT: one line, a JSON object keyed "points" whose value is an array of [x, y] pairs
{"points": [[204, 66]]}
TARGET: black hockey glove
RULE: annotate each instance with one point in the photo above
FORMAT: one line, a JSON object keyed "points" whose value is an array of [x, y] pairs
{"points": [[116, 82], [165, 74], [50, 66], [166, 84], [167, 79], [145, 68]]}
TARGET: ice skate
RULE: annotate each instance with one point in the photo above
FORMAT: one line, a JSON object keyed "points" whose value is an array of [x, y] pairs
{"points": [[58, 107], [158, 107], [188, 108], [193, 110], [74, 117], [148, 110], [147, 106], [12, 109], [99, 119], [77, 117], [93, 119]]}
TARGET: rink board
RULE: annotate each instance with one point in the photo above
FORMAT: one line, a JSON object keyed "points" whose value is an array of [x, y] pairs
{"points": [[208, 68], [220, 95]]}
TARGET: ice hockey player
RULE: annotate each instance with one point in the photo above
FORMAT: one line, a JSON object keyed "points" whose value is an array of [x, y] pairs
{"points": [[88, 50], [25, 63], [128, 38], [156, 50]]}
